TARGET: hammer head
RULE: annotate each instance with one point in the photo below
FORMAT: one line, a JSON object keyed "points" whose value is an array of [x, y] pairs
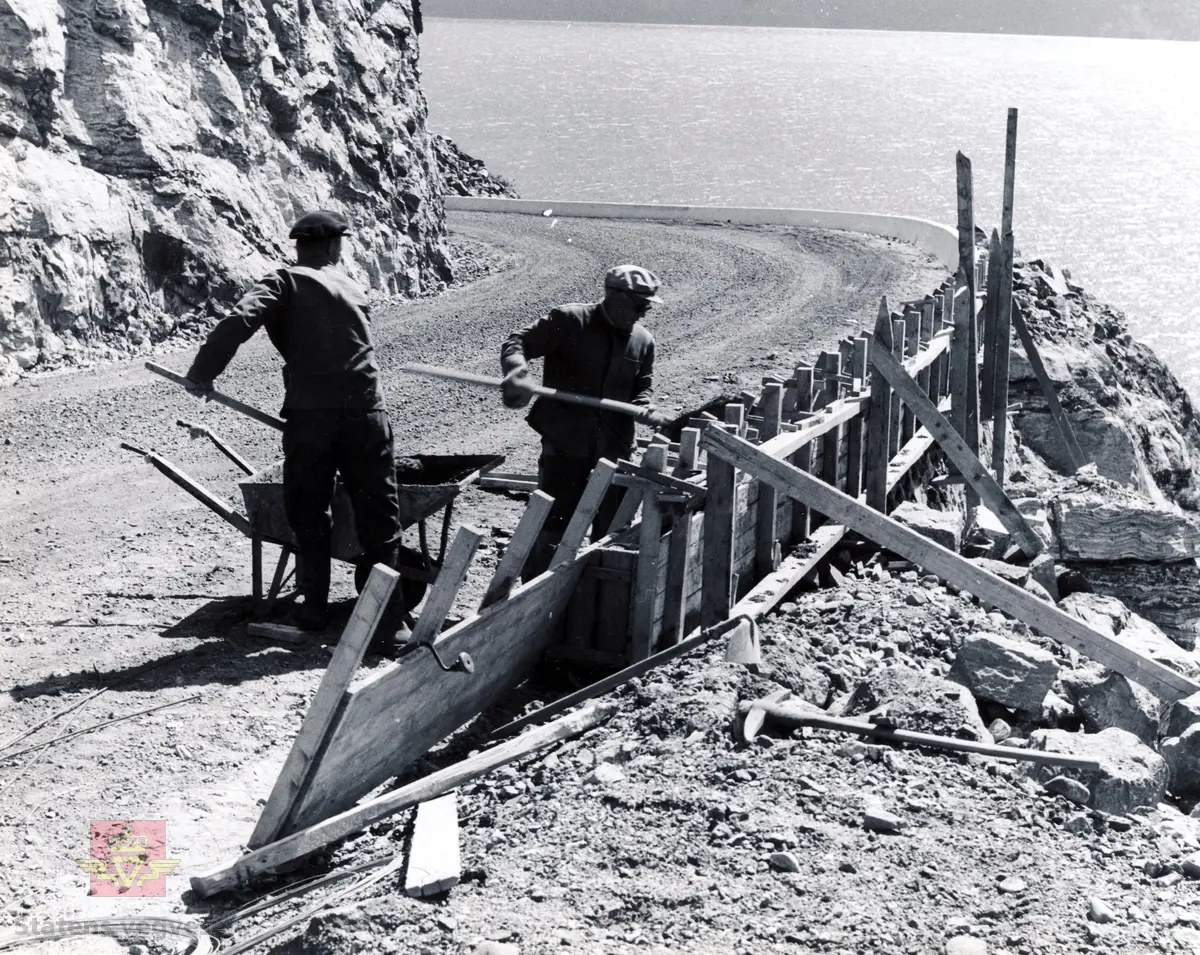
{"points": [[756, 715]]}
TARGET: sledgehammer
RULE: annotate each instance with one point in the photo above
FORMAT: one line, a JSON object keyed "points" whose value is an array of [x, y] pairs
{"points": [[554, 394], [795, 715]]}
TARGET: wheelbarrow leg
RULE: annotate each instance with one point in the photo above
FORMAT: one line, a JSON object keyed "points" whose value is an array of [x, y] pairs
{"points": [[277, 580], [256, 573], [445, 531]]}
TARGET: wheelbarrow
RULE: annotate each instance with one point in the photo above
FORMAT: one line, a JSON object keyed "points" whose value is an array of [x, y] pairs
{"points": [[426, 483]]}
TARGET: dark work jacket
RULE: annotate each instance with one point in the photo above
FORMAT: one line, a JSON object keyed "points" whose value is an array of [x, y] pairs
{"points": [[583, 353], [318, 320]]}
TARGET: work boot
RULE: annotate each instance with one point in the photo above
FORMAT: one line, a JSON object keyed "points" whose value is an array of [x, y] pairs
{"points": [[312, 616]]}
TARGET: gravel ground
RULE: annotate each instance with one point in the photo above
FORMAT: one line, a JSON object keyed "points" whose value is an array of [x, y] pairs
{"points": [[114, 580]]}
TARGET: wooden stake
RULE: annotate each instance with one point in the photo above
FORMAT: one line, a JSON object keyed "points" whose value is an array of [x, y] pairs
{"points": [[717, 566], [689, 450], [956, 449], [1002, 344], [445, 586], [854, 430], [879, 420], [766, 532], [987, 379], [801, 517], [896, 435], [645, 587], [322, 712], [675, 601], [508, 571], [585, 513]]}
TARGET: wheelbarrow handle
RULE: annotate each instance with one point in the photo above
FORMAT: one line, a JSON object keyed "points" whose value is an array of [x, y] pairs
{"points": [[199, 430], [249, 410], [194, 488]]}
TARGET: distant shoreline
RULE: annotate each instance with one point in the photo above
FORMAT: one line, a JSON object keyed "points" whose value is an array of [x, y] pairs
{"points": [[802, 29]]}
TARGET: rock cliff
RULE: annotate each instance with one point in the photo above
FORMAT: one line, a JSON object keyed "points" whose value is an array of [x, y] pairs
{"points": [[154, 152]]}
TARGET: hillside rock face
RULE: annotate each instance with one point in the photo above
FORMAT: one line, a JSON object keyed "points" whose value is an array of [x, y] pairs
{"points": [[1130, 414], [153, 154]]}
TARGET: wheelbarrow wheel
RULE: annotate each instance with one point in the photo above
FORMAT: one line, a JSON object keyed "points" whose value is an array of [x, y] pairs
{"points": [[413, 591]]}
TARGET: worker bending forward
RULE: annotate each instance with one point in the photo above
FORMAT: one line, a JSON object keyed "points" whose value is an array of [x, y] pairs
{"points": [[600, 350], [336, 423]]}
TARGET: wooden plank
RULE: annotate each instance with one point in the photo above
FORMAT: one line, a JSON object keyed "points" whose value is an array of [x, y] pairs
{"points": [[1010, 172], [585, 512], [489, 482], [717, 567], [434, 859], [398, 714], [1042, 616], [581, 618], [987, 375], [627, 510], [912, 349], [937, 385], [896, 432], [1039, 371], [276, 631], [614, 602], [674, 624], [1002, 342], [303, 843], [879, 420], [320, 719], [802, 458], [955, 447], [855, 448], [831, 442], [925, 375], [450, 577], [508, 571], [649, 544], [766, 530]]}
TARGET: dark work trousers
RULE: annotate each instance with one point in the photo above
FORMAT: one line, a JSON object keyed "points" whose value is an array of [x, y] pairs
{"points": [[564, 479], [317, 447]]}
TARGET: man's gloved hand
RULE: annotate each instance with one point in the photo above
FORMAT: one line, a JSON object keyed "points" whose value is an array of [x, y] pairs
{"points": [[657, 420], [515, 388], [198, 389]]}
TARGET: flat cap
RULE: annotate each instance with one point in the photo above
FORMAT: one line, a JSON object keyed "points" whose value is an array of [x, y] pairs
{"points": [[635, 280], [321, 224]]}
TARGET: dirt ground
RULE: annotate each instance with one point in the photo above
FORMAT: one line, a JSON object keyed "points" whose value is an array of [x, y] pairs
{"points": [[120, 592]]}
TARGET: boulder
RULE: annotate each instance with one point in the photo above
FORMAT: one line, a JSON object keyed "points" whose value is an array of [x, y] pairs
{"points": [[1005, 670], [941, 527], [1112, 618], [919, 701], [1043, 570], [1097, 527], [1131, 774], [1015, 575], [1106, 699], [1182, 754]]}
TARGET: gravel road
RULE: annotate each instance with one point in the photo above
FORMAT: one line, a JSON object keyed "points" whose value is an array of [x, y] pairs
{"points": [[107, 568]]}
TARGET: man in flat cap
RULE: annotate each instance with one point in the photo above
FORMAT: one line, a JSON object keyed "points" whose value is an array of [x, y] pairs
{"points": [[599, 349], [336, 423]]}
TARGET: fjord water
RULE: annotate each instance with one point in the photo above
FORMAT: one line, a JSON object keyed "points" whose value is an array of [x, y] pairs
{"points": [[1108, 173]]}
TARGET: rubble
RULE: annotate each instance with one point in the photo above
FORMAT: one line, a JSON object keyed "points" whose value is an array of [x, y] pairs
{"points": [[1000, 669], [1131, 774]]}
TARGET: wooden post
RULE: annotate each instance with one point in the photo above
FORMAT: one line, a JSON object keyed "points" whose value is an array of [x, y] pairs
{"points": [[325, 708], [991, 303], [896, 436], [1003, 339], [766, 533], [966, 261], [854, 430], [674, 625], [801, 517], [1039, 372], [925, 376], [717, 565], [912, 347], [832, 440], [445, 587], [649, 547], [689, 451], [936, 379], [585, 512], [879, 419], [735, 414], [508, 571]]}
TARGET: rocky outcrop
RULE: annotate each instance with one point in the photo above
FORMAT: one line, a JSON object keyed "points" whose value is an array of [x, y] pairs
{"points": [[1130, 413], [465, 175], [1114, 524], [153, 154]]}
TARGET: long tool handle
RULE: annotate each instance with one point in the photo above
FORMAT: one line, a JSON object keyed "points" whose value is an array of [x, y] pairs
{"points": [[249, 410], [194, 488], [554, 394]]}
